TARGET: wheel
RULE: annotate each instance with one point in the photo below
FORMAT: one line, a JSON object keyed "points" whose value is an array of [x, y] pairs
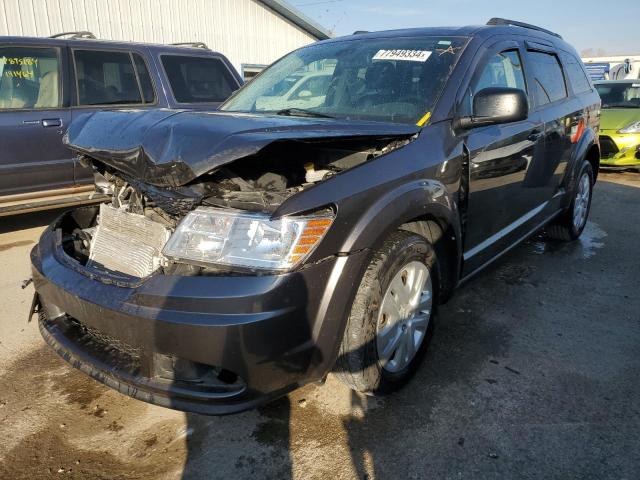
{"points": [[571, 223], [391, 320]]}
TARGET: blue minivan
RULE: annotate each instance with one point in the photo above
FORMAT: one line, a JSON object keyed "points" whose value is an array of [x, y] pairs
{"points": [[46, 83]]}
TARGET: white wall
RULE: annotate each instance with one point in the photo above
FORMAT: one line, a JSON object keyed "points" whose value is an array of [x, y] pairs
{"points": [[244, 30]]}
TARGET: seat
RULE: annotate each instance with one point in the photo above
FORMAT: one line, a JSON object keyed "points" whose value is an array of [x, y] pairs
{"points": [[49, 92]]}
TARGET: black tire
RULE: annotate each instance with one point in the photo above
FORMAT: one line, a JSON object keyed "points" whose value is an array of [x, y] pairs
{"points": [[359, 365], [564, 227]]}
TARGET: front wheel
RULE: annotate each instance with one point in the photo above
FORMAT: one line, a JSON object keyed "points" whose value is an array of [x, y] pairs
{"points": [[571, 223], [391, 320]]}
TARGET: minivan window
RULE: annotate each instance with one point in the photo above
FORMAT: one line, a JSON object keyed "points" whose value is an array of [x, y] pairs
{"points": [[396, 79], [198, 79], [503, 70], [105, 78], [549, 80], [145, 79], [577, 77], [29, 78]]}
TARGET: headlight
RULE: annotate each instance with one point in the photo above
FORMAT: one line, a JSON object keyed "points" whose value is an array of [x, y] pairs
{"points": [[631, 128], [250, 240]]}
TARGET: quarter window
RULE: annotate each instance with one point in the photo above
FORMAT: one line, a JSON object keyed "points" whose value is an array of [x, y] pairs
{"points": [[549, 80], [29, 78], [106, 78], [198, 79], [577, 77]]}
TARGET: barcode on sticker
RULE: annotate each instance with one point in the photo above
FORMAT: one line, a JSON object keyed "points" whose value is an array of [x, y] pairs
{"points": [[409, 55]]}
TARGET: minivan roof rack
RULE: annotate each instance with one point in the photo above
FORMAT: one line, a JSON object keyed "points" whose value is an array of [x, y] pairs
{"points": [[191, 44], [504, 21], [360, 32], [73, 35]]}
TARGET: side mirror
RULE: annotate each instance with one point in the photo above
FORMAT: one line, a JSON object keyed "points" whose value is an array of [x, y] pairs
{"points": [[497, 105]]}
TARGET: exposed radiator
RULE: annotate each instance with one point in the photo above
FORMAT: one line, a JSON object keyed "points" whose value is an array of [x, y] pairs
{"points": [[127, 242]]}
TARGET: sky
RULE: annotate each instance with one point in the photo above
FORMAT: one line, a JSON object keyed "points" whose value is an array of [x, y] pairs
{"points": [[610, 27]]}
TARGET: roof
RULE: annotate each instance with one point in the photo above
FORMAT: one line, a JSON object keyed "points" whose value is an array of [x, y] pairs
{"points": [[298, 18], [478, 31]]}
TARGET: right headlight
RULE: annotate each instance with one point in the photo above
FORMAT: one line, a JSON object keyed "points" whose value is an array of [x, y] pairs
{"points": [[213, 236], [633, 127]]}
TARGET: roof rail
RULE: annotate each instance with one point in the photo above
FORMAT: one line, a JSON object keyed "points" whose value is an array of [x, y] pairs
{"points": [[191, 44], [360, 32], [74, 35], [504, 21]]}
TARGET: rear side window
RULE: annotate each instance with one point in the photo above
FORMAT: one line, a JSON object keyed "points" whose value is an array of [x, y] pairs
{"points": [[145, 79], [106, 78], [29, 78], [577, 77], [548, 78], [198, 79]]}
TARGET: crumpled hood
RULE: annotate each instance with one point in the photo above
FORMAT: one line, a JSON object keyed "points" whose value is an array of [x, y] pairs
{"points": [[617, 118], [166, 147]]}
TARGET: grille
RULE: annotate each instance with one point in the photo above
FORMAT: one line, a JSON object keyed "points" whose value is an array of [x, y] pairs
{"points": [[608, 147], [127, 243]]}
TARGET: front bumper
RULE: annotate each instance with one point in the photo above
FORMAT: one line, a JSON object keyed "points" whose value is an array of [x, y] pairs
{"points": [[619, 150], [206, 344]]}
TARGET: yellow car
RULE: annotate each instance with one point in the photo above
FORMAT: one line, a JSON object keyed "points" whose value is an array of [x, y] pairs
{"points": [[620, 124]]}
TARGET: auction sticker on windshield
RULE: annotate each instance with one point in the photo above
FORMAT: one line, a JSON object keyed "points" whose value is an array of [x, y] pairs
{"points": [[410, 55]]}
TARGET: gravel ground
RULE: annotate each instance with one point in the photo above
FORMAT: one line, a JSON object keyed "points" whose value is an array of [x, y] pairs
{"points": [[533, 373]]}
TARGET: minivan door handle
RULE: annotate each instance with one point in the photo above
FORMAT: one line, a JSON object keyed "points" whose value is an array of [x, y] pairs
{"points": [[534, 135], [51, 122]]}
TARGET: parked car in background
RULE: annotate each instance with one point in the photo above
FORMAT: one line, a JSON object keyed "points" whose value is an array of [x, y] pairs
{"points": [[620, 124], [303, 90], [247, 252], [46, 83]]}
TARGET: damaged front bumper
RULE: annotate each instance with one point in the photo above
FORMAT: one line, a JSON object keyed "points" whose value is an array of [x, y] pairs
{"points": [[208, 344]]}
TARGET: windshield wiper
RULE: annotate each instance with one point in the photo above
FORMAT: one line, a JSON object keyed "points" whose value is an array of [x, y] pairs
{"points": [[301, 112]]}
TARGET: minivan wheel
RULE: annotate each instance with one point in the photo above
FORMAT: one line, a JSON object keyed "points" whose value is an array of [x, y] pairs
{"points": [[571, 223], [391, 320]]}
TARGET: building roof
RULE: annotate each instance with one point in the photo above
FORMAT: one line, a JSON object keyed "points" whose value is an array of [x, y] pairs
{"points": [[298, 18]]}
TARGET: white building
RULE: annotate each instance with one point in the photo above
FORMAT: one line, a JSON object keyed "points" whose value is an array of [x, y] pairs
{"points": [[251, 33]]}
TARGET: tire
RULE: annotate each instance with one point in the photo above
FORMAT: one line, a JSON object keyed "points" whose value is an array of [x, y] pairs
{"points": [[565, 227], [402, 260]]}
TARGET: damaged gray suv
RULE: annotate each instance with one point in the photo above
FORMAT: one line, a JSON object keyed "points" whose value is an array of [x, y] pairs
{"points": [[249, 251]]}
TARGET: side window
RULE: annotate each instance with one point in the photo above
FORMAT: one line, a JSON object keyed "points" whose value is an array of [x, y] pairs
{"points": [[198, 79], [549, 83], [577, 76], [29, 78], [503, 70], [106, 78], [145, 79]]}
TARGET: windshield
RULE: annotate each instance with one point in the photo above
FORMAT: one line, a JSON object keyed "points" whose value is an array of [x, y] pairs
{"points": [[386, 79], [619, 95]]}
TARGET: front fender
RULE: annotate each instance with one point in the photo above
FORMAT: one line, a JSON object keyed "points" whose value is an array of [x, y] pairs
{"points": [[409, 201]]}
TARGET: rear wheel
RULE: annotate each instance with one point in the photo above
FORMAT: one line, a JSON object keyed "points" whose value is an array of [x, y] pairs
{"points": [[571, 223], [391, 320]]}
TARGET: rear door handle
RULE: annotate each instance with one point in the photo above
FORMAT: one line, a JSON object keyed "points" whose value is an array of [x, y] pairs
{"points": [[534, 136], [51, 122]]}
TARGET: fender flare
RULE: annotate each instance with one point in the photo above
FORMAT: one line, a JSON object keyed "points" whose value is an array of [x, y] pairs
{"points": [[410, 201], [588, 139]]}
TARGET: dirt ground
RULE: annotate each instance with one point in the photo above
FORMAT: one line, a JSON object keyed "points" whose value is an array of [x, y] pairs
{"points": [[533, 373]]}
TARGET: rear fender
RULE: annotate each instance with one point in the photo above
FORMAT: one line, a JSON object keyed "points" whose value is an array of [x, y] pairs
{"points": [[586, 141]]}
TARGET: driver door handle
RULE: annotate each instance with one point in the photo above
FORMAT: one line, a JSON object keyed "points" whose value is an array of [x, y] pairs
{"points": [[51, 122]]}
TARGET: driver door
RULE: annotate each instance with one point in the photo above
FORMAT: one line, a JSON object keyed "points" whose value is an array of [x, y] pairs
{"points": [[499, 209]]}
